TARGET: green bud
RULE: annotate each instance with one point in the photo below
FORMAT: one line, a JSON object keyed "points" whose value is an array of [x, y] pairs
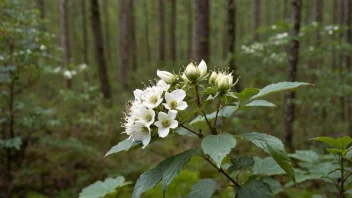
{"points": [[192, 72], [224, 84], [213, 78]]}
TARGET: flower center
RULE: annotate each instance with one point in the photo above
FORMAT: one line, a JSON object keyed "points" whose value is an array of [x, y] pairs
{"points": [[148, 117], [165, 123], [153, 99], [173, 104], [144, 129]]}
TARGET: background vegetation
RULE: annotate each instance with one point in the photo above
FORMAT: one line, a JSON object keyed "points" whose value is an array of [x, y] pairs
{"points": [[68, 67]]}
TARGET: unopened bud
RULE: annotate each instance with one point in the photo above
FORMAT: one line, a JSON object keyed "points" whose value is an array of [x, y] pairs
{"points": [[192, 72], [213, 78], [224, 84], [166, 76], [202, 68]]}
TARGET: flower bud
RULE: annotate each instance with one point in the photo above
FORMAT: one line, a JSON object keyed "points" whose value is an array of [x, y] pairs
{"points": [[192, 72], [202, 68], [224, 84], [166, 76], [213, 78]]}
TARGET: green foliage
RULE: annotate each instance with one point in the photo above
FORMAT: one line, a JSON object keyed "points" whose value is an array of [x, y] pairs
{"points": [[101, 189], [241, 163], [124, 145], [13, 143], [339, 143], [218, 146], [204, 188], [254, 189], [266, 167], [260, 103]]}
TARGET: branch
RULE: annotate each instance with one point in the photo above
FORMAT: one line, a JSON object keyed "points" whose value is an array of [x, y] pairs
{"points": [[201, 136]]}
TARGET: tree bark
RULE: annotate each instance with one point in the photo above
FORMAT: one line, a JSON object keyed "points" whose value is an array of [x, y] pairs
{"points": [[173, 30], [161, 27], [84, 36], [132, 33], [41, 6], [334, 21], [123, 42], [293, 59], [146, 29], [107, 29], [190, 29], [99, 49], [256, 19], [65, 39], [341, 59], [231, 36], [201, 31], [348, 40]]}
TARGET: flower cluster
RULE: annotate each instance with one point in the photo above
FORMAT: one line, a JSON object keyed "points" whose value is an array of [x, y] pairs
{"points": [[140, 119]]}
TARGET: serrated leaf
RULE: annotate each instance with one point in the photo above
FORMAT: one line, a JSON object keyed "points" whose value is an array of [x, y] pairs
{"points": [[122, 146], [148, 180], [254, 189], [247, 93], [260, 103], [218, 146], [302, 178], [340, 143], [204, 188], [241, 163], [274, 147], [101, 189], [173, 165], [281, 86], [267, 167], [225, 112], [306, 156], [275, 186]]}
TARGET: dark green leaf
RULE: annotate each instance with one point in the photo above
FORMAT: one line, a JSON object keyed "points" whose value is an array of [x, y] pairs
{"points": [[225, 112], [254, 189], [241, 163], [218, 146], [247, 93], [275, 186], [122, 146], [266, 167], [340, 143], [147, 181], [204, 188], [260, 103], [306, 156]]}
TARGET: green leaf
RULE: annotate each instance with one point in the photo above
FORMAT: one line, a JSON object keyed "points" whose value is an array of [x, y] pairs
{"points": [[166, 170], [173, 165], [274, 147], [306, 156], [266, 166], [340, 143], [302, 178], [101, 189], [260, 103], [254, 189], [122, 146], [183, 131], [218, 146], [275, 186], [241, 163], [247, 93], [12, 143], [204, 188], [281, 86], [225, 112]]}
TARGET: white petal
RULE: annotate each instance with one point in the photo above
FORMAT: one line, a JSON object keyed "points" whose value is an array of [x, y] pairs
{"points": [[172, 114], [166, 106], [137, 94], [178, 94], [162, 116], [174, 124], [182, 105], [158, 124], [168, 97], [146, 140], [163, 132], [158, 102]]}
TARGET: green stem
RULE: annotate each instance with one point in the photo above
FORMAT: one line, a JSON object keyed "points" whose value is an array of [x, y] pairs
{"points": [[201, 136], [217, 112], [213, 131], [342, 167]]}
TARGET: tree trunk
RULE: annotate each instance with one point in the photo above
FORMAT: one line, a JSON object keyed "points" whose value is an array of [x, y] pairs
{"points": [[85, 36], [173, 30], [146, 29], [190, 29], [341, 59], [65, 40], [99, 49], [132, 33], [123, 42], [348, 39], [201, 31], [334, 21], [107, 29], [231, 36], [41, 6], [161, 27], [293, 58], [256, 18]]}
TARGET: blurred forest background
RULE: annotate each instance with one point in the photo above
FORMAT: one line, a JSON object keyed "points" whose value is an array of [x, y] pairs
{"points": [[67, 68]]}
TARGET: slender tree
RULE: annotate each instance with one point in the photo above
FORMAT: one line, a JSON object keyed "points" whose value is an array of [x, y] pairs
{"points": [[348, 58], [341, 58], [132, 35], [201, 30], [334, 21], [65, 44], [256, 19], [293, 58], [146, 30], [190, 29], [161, 27], [107, 29], [231, 36], [85, 45], [173, 30], [99, 49], [41, 5], [123, 41]]}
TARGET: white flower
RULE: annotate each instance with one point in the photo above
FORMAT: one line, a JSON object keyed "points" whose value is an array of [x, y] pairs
{"points": [[163, 85], [83, 66], [138, 94], [141, 132], [166, 76], [166, 122], [68, 74], [42, 47], [152, 97], [174, 100], [57, 70], [202, 68], [144, 114], [213, 78]]}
